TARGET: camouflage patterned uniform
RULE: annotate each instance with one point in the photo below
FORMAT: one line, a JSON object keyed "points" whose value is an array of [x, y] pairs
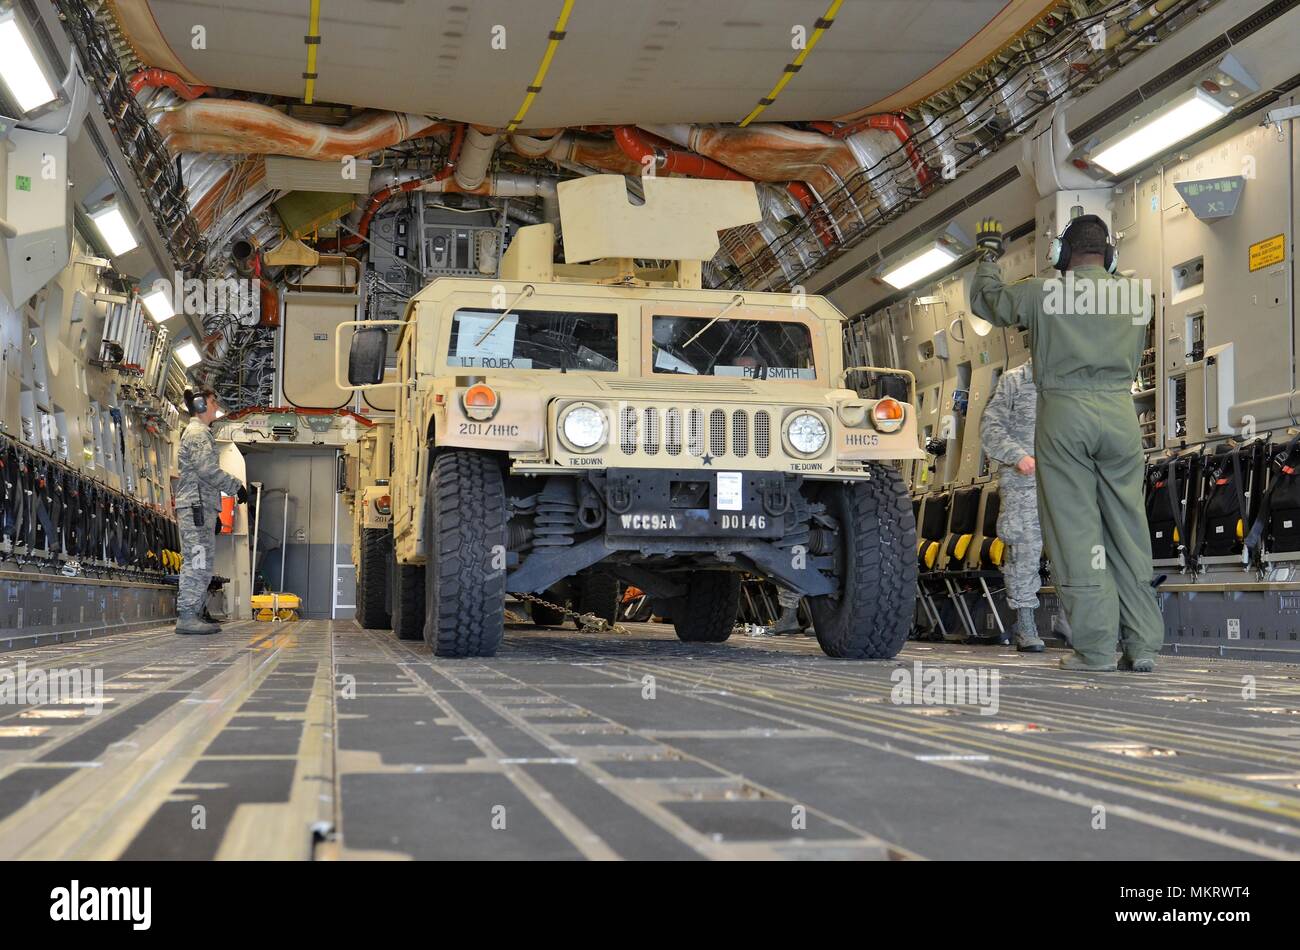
{"points": [[198, 507], [1007, 436]]}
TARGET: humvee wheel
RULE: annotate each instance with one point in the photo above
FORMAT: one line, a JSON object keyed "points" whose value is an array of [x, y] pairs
{"points": [[372, 579], [465, 537], [707, 614], [871, 616], [600, 594], [408, 601]]}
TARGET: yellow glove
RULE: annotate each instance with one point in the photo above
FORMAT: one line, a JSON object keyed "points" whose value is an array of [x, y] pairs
{"points": [[988, 237]]}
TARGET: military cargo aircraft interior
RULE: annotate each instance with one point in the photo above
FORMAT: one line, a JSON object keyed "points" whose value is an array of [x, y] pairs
{"points": [[815, 430]]}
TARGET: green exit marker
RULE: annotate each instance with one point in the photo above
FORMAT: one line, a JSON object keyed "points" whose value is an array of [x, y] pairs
{"points": [[1212, 198], [22, 183]]}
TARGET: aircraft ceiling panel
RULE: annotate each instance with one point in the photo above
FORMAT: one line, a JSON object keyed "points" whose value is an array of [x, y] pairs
{"points": [[620, 61]]}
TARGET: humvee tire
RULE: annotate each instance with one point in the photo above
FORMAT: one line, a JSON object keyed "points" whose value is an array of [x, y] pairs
{"points": [[870, 618], [600, 594], [707, 614], [372, 579], [408, 601], [464, 534]]}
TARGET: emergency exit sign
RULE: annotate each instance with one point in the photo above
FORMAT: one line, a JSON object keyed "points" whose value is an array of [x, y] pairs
{"points": [[1212, 198]]}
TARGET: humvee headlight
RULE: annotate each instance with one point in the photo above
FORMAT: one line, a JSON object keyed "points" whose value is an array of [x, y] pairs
{"points": [[584, 428], [806, 433], [888, 415], [384, 504]]}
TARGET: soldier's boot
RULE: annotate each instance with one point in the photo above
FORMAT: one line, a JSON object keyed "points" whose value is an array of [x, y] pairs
{"points": [[1027, 639], [1144, 665], [1078, 664], [789, 621], [190, 623]]}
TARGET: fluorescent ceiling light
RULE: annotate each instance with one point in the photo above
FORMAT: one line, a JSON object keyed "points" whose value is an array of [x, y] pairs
{"points": [[1168, 125], [934, 258], [22, 74], [188, 354], [114, 230], [159, 306]]}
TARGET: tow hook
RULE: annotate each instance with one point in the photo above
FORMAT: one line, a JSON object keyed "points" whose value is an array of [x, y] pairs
{"points": [[618, 495], [775, 499]]}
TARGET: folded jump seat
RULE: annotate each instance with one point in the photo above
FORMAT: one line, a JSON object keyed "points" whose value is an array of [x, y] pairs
{"points": [[1172, 488], [1276, 527], [931, 526], [1231, 488]]}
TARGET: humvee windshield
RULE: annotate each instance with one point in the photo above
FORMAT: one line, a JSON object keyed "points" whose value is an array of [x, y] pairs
{"points": [[534, 339], [750, 349]]}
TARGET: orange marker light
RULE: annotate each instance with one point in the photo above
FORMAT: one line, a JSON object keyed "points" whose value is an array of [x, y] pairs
{"points": [[888, 414], [480, 401]]}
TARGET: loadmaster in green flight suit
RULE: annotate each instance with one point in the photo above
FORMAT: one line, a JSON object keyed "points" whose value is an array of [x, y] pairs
{"points": [[1087, 330]]}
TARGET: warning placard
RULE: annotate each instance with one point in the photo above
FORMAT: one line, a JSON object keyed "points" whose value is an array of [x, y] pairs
{"points": [[1268, 252]]}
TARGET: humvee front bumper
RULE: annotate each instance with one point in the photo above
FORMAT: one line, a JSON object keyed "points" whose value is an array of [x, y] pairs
{"points": [[754, 519], [679, 504]]}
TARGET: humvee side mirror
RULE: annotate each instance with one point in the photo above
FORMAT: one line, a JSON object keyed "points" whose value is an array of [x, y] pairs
{"points": [[367, 355]]}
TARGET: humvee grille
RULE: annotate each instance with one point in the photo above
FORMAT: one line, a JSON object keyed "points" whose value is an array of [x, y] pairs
{"points": [[695, 432], [718, 432], [628, 430], [762, 433], [652, 431], [735, 433], [739, 434], [673, 431]]}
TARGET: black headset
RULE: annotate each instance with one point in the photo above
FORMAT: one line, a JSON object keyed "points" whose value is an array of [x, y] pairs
{"points": [[1060, 252], [196, 403]]}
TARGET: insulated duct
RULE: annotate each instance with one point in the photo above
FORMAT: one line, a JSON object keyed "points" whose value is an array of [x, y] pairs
{"points": [[504, 185], [234, 127]]}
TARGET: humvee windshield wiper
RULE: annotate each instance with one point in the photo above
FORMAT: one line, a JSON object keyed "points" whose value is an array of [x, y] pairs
{"points": [[736, 301], [526, 292]]}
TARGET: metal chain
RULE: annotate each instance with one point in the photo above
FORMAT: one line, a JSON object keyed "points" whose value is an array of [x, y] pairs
{"points": [[587, 623]]}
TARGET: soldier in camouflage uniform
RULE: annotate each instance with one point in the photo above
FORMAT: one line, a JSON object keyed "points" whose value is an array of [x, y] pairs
{"points": [[198, 510], [1007, 437]]}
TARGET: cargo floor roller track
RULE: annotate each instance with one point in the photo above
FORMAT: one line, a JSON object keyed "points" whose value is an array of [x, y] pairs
{"points": [[311, 740]]}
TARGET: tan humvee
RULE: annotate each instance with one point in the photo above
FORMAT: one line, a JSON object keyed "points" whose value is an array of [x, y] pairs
{"points": [[572, 426], [367, 467]]}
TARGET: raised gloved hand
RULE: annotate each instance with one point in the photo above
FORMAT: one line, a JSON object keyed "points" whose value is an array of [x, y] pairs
{"points": [[242, 495], [988, 237]]}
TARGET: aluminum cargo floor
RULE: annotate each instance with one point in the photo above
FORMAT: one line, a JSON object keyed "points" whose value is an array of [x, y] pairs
{"points": [[319, 740]]}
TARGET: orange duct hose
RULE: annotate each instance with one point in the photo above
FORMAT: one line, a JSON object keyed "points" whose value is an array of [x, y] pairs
{"points": [[154, 78], [640, 149], [232, 126]]}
